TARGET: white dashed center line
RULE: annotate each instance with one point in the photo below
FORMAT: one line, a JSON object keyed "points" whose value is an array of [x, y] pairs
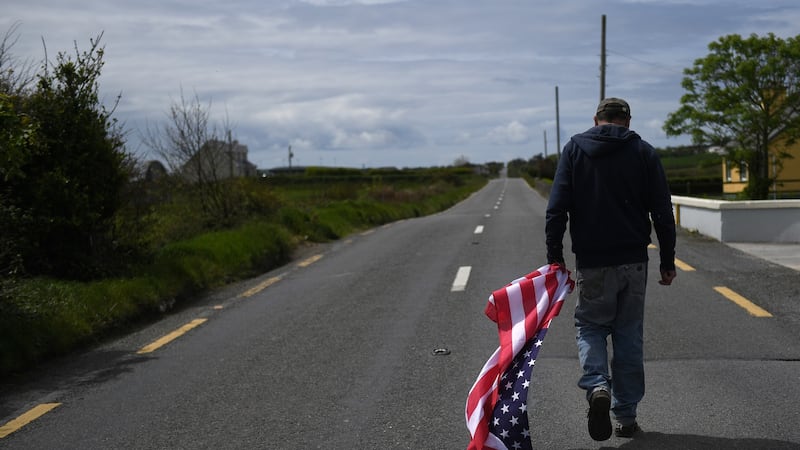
{"points": [[460, 283], [479, 229]]}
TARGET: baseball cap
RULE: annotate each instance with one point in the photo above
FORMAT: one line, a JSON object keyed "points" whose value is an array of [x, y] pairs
{"points": [[613, 104]]}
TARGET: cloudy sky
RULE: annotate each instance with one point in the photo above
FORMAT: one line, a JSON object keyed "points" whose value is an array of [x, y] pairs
{"points": [[405, 83]]}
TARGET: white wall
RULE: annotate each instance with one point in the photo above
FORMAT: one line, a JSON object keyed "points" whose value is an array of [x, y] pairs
{"points": [[740, 221]]}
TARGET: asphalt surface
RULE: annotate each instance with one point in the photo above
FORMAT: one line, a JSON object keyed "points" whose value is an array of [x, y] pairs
{"points": [[364, 344], [785, 254]]}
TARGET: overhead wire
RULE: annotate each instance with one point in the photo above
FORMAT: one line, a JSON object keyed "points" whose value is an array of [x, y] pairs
{"points": [[649, 63]]}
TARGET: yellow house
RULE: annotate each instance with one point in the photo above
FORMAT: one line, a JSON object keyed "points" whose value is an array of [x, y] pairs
{"points": [[787, 174]]}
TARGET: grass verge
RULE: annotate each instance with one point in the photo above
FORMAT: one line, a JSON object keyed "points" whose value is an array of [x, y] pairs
{"points": [[41, 318]]}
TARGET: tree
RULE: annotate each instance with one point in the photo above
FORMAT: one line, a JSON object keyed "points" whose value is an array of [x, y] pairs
{"points": [[461, 161], [543, 167], [15, 75], [200, 156], [495, 168], [745, 97], [516, 167], [69, 168], [16, 135]]}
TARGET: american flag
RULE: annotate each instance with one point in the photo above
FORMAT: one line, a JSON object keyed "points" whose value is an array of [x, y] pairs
{"points": [[496, 410]]}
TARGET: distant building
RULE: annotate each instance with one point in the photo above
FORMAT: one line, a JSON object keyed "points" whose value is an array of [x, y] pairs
{"points": [[787, 174], [218, 160], [154, 171]]}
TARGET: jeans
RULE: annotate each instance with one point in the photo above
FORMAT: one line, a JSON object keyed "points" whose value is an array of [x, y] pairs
{"points": [[611, 302]]}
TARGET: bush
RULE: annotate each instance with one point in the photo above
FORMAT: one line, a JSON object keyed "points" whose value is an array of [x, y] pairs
{"points": [[69, 170], [42, 317]]}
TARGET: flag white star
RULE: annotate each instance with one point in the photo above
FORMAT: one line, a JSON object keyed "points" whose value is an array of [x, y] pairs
{"points": [[513, 428]]}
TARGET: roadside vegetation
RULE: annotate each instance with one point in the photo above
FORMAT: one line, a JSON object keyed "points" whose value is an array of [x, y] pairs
{"points": [[171, 256], [92, 242], [692, 171]]}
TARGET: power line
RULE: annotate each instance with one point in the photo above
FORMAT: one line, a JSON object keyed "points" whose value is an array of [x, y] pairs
{"points": [[649, 63]]}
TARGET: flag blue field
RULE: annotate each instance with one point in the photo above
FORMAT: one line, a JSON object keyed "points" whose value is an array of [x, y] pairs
{"points": [[496, 409]]}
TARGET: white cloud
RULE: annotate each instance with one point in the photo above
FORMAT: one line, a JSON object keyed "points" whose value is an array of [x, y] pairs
{"points": [[383, 82], [348, 2], [511, 133], [363, 139]]}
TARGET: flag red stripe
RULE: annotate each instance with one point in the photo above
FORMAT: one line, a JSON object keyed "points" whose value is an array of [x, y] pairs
{"points": [[503, 328], [531, 308], [484, 384], [521, 309], [552, 284]]}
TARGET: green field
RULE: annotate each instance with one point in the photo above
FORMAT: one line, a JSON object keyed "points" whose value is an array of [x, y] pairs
{"points": [[693, 173]]}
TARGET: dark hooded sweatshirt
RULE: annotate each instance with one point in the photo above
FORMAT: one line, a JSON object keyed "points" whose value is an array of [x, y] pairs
{"points": [[610, 184]]}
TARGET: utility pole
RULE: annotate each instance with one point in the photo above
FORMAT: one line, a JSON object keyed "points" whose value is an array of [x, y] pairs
{"points": [[545, 144], [558, 128], [603, 61], [230, 155]]}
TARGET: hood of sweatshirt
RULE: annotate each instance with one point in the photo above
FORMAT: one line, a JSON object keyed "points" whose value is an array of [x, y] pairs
{"points": [[604, 139]]}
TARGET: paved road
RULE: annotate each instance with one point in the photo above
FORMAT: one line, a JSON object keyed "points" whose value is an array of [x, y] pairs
{"points": [[337, 351], [785, 254]]}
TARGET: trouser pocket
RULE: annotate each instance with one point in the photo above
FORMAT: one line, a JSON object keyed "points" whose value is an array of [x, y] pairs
{"points": [[596, 296]]}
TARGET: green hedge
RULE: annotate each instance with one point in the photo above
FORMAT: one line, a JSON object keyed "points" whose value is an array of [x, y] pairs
{"points": [[708, 186], [44, 317], [40, 317]]}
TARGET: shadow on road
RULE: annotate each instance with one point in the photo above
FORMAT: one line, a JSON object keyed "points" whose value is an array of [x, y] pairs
{"points": [[663, 441], [53, 378]]}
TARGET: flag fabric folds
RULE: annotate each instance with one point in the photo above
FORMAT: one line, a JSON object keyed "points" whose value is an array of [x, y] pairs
{"points": [[496, 410]]}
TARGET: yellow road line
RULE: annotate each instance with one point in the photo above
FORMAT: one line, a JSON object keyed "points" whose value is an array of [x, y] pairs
{"points": [[678, 263], [308, 261], [683, 266], [33, 414], [750, 307], [171, 337], [260, 287]]}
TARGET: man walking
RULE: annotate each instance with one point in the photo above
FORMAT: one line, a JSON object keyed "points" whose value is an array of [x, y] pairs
{"points": [[610, 185]]}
